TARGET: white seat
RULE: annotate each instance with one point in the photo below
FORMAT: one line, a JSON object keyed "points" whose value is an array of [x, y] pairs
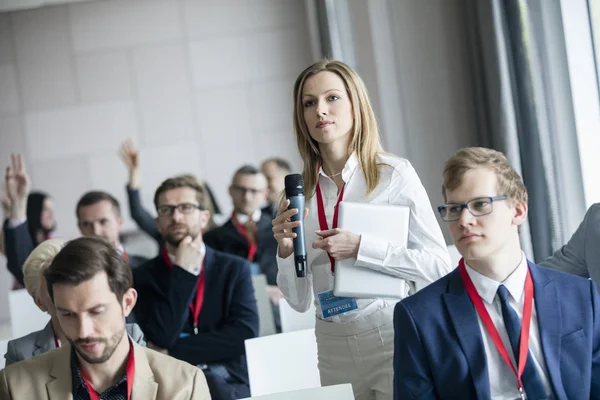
{"points": [[263, 303], [337, 392], [282, 362], [25, 316], [454, 255], [3, 347], [292, 320]]}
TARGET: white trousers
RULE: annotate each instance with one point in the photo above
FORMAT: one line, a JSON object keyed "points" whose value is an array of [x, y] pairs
{"points": [[359, 352]]}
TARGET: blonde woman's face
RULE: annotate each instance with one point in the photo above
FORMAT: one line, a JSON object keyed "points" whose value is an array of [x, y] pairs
{"points": [[327, 108]]}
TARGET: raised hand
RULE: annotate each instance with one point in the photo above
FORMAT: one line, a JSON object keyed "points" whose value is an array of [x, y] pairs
{"points": [[190, 253], [18, 186], [131, 157]]}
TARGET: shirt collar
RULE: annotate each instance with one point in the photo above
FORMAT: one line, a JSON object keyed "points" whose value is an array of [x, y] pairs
{"points": [[243, 218], [80, 386], [348, 169], [487, 287]]}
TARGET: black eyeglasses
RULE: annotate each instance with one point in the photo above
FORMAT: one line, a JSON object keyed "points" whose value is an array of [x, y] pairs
{"points": [[184, 208], [477, 207]]}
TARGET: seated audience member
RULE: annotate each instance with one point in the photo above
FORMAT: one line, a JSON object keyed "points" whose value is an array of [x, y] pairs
{"points": [[30, 217], [581, 255], [249, 231], [90, 286], [131, 156], [195, 303], [275, 169], [99, 215], [52, 336], [498, 326]]}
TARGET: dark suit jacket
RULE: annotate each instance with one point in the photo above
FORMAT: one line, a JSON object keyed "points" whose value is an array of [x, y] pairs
{"points": [[439, 352], [142, 217], [17, 246], [581, 255], [270, 210], [135, 261], [228, 317], [228, 239]]}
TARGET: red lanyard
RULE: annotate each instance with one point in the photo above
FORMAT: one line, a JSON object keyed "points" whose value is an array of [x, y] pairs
{"points": [[323, 219], [491, 329], [196, 306], [252, 246], [56, 342], [129, 372]]}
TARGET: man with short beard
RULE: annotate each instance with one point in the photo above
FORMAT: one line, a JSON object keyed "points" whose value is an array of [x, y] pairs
{"points": [[195, 303], [90, 286]]}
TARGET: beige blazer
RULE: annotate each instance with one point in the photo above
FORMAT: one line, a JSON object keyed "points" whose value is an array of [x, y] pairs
{"points": [[157, 376]]}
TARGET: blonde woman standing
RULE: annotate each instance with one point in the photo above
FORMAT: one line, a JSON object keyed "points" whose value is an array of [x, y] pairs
{"points": [[339, 143]]}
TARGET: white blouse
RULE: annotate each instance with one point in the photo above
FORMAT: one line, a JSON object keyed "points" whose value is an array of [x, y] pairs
{"points": [[424, 260]]}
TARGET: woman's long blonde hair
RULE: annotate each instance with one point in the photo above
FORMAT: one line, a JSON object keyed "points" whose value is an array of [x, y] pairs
{"points": [[364, 138]]}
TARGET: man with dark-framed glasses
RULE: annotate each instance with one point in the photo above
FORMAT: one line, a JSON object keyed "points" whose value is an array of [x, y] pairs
{"points": [[498, 326], [195, 303]]}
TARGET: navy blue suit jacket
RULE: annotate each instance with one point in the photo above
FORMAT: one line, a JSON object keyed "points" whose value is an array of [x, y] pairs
{"points": [[228, 317], [439, 351]]}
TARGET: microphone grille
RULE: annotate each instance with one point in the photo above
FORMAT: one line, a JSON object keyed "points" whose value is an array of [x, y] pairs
{"points": [[294, 185]]}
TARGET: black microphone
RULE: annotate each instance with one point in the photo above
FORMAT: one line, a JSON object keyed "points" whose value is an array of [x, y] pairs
{"points": [[294, 192]]}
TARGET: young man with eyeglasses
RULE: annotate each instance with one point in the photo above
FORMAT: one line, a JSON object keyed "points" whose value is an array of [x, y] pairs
{"points": [[195, 303], [249, 231], [498, 326]]}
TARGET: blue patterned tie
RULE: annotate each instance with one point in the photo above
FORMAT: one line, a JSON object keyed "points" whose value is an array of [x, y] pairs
{"points": [[531, 380]]}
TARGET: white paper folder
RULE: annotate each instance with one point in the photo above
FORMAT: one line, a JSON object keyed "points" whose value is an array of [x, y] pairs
{"points": [[388, 223]]}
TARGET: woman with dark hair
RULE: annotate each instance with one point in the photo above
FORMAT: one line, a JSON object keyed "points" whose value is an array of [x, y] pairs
{"points": [[40, 217], [29, 220]]}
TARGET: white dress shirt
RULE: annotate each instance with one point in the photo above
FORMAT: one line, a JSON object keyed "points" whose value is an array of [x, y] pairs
{"points": [[503, 381], [243, 218], [425, 260]]}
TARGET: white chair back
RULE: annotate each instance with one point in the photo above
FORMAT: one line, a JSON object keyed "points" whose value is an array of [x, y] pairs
{"points": [[292, 320], [25, 316], [282, 362], [337, 392], [265, 311], [454, 255], [3, 347]]}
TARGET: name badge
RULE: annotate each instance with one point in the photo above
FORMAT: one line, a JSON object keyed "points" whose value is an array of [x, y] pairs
{"points": [[332, 305], [255, 269]]}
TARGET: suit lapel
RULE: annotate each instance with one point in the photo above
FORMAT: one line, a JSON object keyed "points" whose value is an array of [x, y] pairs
{"points": [[263, 230], [60, 387], [549, 318], [465, 322], [235, 233], [144, 386], [44, 341]]}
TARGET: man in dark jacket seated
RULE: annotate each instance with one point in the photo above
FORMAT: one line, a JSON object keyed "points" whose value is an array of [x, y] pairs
{"points": [[195, 303], [249, 231]]}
